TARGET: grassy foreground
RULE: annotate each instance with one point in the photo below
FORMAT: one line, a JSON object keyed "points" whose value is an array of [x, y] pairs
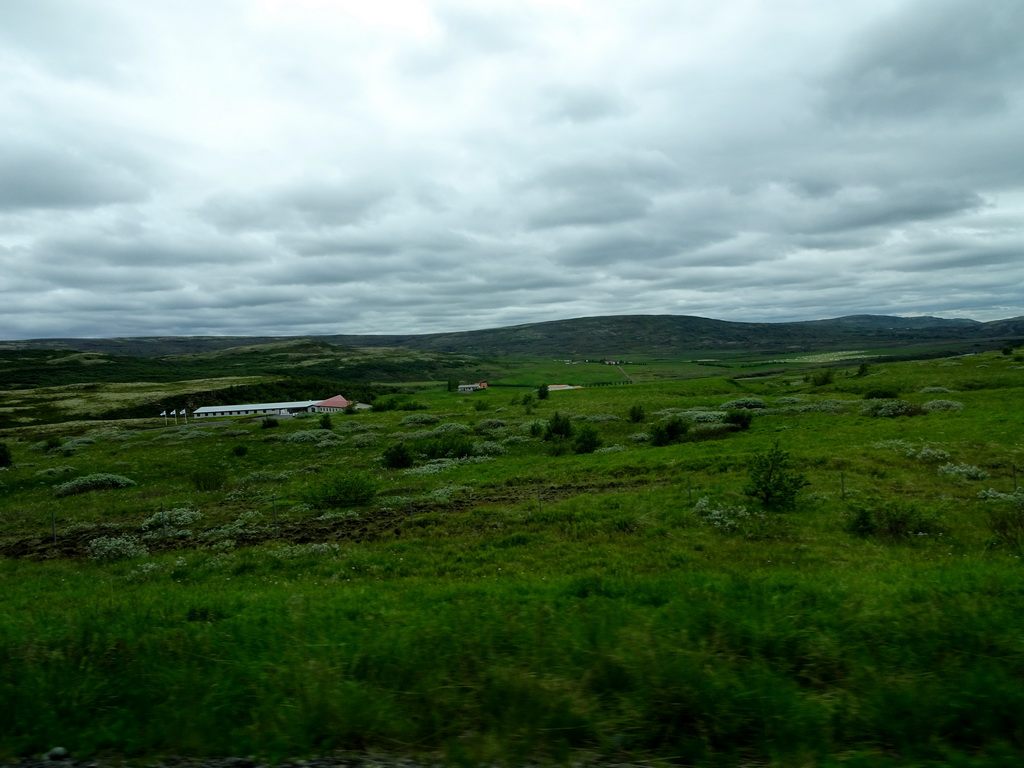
{"points": [[526, 602]]}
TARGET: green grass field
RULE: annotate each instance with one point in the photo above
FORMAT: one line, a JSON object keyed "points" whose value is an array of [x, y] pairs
{"points": [[500, 598]]}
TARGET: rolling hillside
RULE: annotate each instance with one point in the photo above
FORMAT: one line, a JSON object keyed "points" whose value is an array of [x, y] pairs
{"points": [[597, 336]]}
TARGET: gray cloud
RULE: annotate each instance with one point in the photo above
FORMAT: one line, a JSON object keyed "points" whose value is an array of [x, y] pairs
{"points": [[284, 168], [932, 59]]}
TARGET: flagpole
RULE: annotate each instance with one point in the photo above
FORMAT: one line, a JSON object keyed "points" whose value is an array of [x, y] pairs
{"points": [[174, 413], [164, 414]]}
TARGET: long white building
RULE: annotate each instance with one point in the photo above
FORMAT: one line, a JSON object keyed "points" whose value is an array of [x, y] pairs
{"points": [[335, 404], [255, 409]]}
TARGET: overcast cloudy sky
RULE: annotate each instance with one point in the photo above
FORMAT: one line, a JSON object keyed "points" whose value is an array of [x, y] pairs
{"points": [[409, 166]]}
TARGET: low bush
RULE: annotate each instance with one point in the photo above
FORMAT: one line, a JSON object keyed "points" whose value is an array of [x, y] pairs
{"points": [[207, 478], [1006, 518], [339, 490], [488, 448], [734, 519], [821, 378], [881, 393], [669, 431], [111, 548], [63, 469], [397, 456], [890, 409], [744, 402], [587, 440], [318, 436], [239, 450], [97, 482], [943, 405], [269, 423], [172, 518], [772, 479], [892, 519], [558, 427], [927, 453], [6, 460], [965, 471], [419, 419], [740, 419], [636, 414]]}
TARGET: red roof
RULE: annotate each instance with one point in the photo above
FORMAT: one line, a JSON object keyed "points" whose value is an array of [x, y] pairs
{"points": [[335, 402]]}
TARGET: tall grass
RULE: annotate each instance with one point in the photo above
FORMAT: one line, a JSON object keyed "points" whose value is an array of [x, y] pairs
{"points": [[628, 605]]}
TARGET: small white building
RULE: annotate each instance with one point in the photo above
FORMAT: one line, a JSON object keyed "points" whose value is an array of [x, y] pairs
{"points": [[467, 389]]}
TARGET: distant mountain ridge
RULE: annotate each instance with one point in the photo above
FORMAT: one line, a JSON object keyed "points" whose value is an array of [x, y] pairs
{"points": [[596, 336]]}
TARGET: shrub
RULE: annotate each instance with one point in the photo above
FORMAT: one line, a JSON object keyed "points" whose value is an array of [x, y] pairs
{"points": [[880, 393], [419, 420], [63, 469], [821, 378], [98, 482], [240, 450], [325, 421], [445, 447], [110, 548], [263, 476], [317, 436], [890, 409], [741, 419], [637, 414], [669, 431], [558, 426], [640, 437], [745, 402], [207, 478], [489, 448], [397, 456], [587, 440], [542, 392], [488, 424], [729, 519], [965, 471], [927, 453], [706, 417], [6, 460], [172, 518], [893, 519], [450, 428], [935, 391], [862, 370], [772, 479], [943, 405], [1006, 520], [341, 490], [269, 423]]}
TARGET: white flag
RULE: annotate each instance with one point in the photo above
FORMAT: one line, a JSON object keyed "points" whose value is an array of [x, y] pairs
{"points": [[174, 413], [163, 413]]}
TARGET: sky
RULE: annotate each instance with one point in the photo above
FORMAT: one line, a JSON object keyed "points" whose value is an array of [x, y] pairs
{"points": [[291, 167]]}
